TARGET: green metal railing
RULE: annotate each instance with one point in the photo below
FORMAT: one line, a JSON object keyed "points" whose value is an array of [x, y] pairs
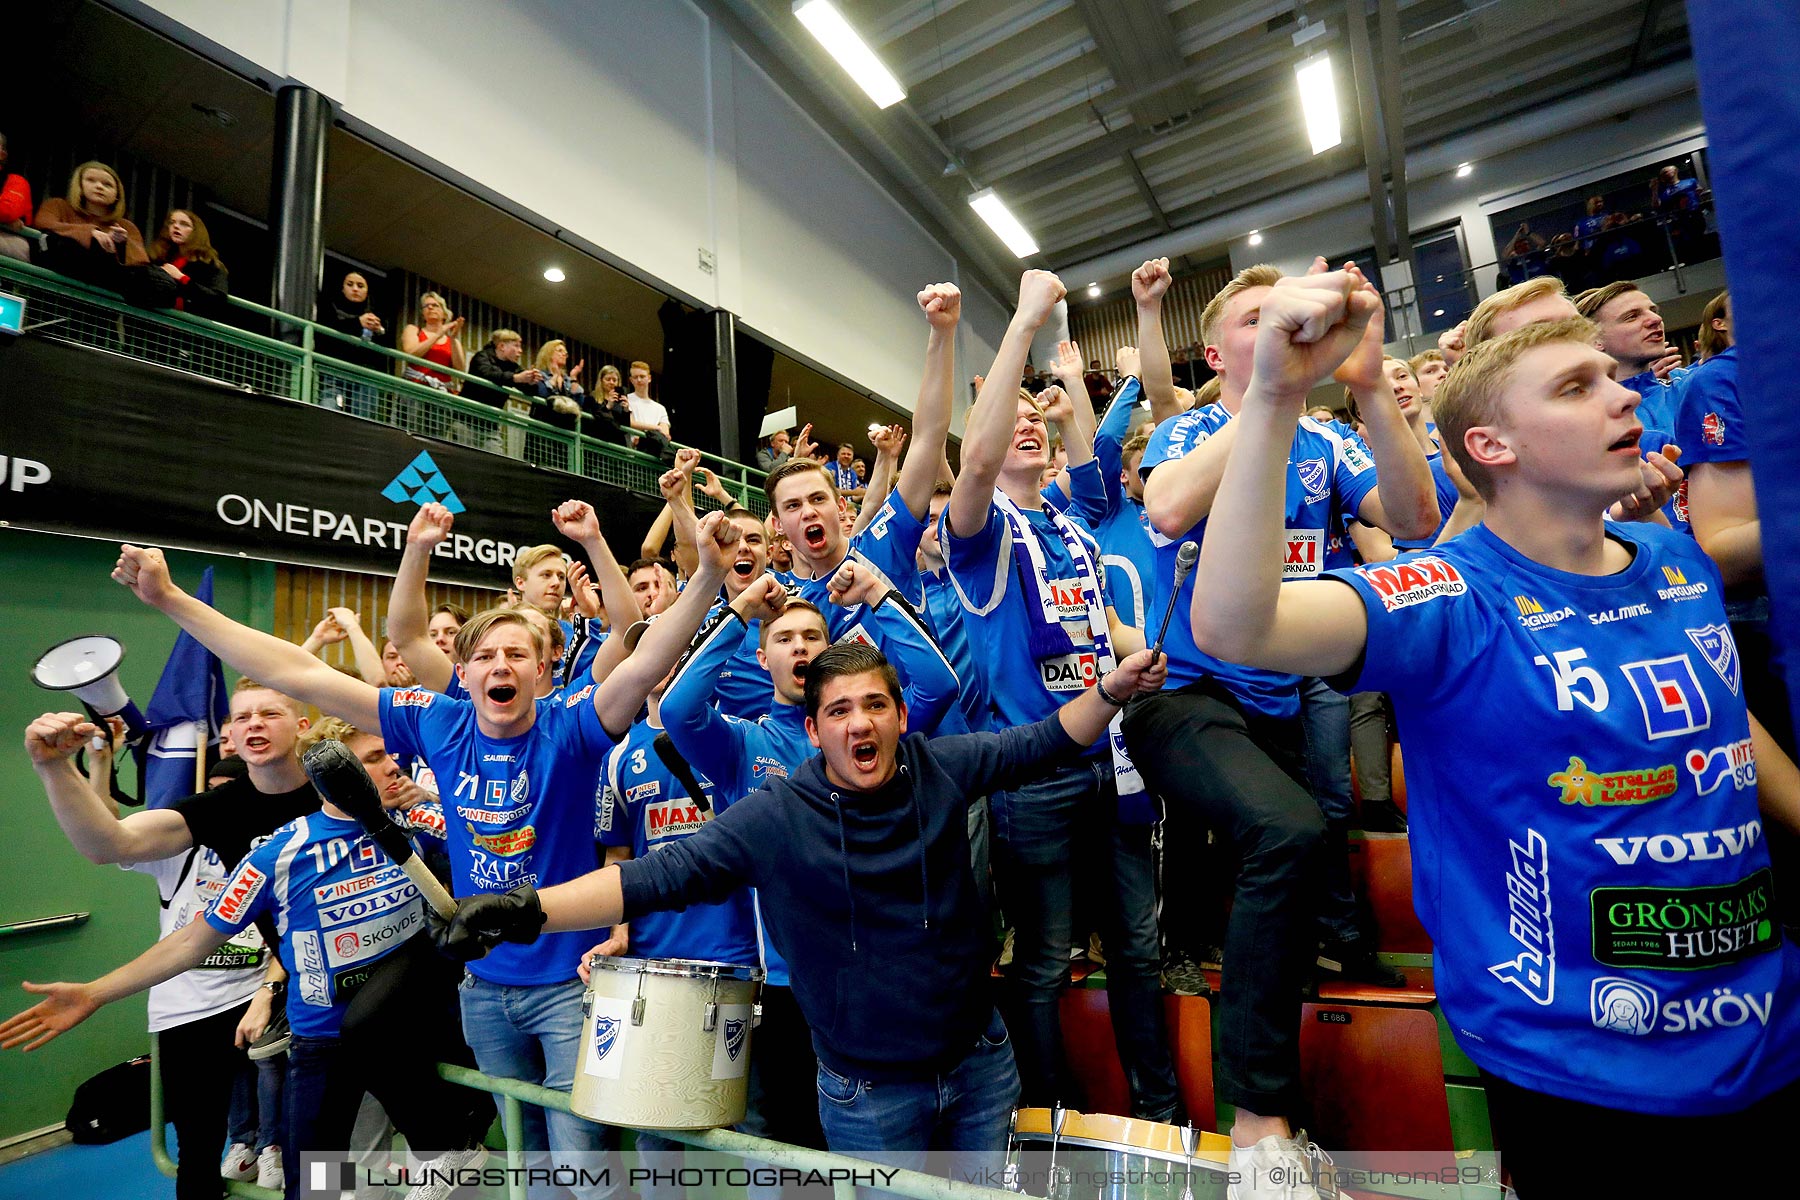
{"points": [[514, 1094], [306, 370]]}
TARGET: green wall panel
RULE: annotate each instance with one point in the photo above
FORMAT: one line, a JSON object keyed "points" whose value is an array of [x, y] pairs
{"points": [[53, 588]]}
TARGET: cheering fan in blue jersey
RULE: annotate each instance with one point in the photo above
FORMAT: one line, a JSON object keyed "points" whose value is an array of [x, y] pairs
{"points": [[1584, 776]]}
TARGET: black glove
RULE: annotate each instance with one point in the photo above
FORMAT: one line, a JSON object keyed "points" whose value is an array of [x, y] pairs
{"points": [[483, 922]]}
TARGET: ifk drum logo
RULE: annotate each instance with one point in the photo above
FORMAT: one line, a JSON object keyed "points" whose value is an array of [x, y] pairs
{"points": [[606, 1035], [734, 1038]]}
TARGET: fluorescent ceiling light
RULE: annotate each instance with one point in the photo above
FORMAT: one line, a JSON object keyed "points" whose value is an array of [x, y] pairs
{"points": [[826, 23], [1318, 100], [555, 275], [1256, 237], [1464, 170], [1000, 219], [1094, 290]]}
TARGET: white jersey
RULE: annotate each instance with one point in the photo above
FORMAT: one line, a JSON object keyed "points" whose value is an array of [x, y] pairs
{"points": [[186, 884]]}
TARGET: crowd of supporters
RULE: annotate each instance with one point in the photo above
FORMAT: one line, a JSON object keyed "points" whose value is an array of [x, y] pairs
{"points": [[924, 738]]}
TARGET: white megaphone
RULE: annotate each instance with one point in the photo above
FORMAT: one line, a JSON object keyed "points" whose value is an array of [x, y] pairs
{"points": [[88, 668]]}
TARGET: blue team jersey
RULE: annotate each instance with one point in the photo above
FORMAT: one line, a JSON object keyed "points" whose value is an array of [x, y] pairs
{"points": [[1120, 525], [1588, 856], [339, 905], [643, 806], [996, 612], [743, 688], [517, 810], [890, 544], [1709, 426], [945, 613], [1329, 473]]}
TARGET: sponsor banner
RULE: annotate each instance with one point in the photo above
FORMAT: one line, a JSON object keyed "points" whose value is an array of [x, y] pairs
{"points": [[271, 478], [1630, 1007], [731, 1042], [1684, 929]]}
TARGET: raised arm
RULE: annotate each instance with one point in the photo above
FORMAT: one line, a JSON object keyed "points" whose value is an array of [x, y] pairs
{"points": [[617, 703], [931, 683], [1307, 327], [888, 441], [1086, 717], [362, 650], [1404, 502], [87, 819], [942, 303], [409, 609], [987, 435], [1149, 283], [1722, 504], [713, 744], [281, 665], [577, 521]]}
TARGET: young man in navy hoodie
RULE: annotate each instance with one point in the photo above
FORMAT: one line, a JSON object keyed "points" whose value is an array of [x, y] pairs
{"points": [[862, 860]]}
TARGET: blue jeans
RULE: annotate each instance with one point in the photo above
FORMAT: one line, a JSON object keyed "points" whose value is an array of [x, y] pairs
{"points": [[1034, 835], [534, 1034], [256, 1103], [967, 1109], [1325, 728]]}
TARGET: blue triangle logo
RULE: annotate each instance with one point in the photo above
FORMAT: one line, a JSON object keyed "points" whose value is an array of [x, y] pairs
{"points": [[421, 483]]}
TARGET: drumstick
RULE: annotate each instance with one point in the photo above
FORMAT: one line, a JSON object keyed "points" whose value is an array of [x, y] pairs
{"points": [[1185, 558], [341, 780]]}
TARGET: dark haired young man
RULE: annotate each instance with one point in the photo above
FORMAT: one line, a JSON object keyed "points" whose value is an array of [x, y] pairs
{"points": [[862, 859]]}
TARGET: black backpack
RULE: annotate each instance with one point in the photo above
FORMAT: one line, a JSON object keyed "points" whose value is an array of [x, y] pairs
{"points": [[113, 1104]]}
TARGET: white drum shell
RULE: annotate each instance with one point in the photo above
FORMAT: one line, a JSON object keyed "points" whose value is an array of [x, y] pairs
{"points": [[669, 1071]]}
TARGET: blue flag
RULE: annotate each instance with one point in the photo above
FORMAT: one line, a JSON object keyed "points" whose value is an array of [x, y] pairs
{"points": [[190, 693]]}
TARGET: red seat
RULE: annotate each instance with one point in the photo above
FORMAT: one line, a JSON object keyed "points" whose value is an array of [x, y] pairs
{"points": [[1381, 869], [1093, 1056], [1373, 1077]]}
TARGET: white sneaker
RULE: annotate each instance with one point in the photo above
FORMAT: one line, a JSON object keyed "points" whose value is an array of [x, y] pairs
{"points": [[239, 1163], [268, 1168], [1276, 1168], [447, 1163]]}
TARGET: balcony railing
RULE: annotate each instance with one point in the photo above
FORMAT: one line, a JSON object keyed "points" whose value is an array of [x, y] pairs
{"points": [[306, 370]]}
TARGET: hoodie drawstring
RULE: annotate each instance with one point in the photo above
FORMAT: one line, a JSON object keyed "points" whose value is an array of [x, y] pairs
{"points": [[844, 858], [924, 876]]}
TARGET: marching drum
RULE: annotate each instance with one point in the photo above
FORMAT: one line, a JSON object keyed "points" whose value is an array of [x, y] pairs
{"points": [[665, 1043], [1065, 1155]]}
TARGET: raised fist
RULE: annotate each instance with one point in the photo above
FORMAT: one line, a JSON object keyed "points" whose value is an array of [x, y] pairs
{"points": [[763, 599], [146, 573], [576, 520], [1039, 292], [430, 526], [1150, 281], [718, 539], [942, 303], [56, 736], [855, 584]]}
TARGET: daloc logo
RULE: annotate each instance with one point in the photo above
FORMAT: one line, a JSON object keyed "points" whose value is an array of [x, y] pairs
{"points": [[422, 483], [734, 1038], [606, 1034]]}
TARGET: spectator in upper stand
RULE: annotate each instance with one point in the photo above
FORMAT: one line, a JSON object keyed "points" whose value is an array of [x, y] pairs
{"points": [[605, 408], [647, 416], [1523, 255], [500, 364], [843, 473], [434, 339], [776, 452], [1098, 386], [91, 238], [346, 308], [560, 386], [15, 211], [1670, 193], [184, 272], [1715, 326], [1631, 330], [1590, 225]]}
